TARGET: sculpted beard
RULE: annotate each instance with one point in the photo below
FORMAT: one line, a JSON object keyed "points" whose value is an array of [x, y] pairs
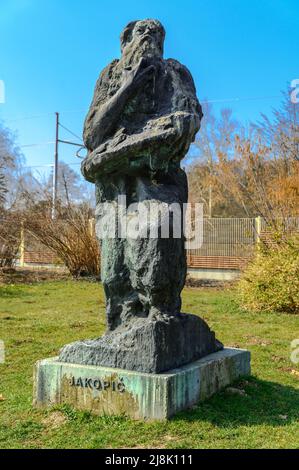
{"points": [[140, 47]]}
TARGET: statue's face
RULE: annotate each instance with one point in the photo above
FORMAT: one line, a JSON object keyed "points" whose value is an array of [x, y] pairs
{"points": [[147, 39], [149, 35]]}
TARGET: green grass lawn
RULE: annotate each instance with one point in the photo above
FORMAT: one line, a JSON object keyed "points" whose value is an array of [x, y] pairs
{"points": [[36, 320]]}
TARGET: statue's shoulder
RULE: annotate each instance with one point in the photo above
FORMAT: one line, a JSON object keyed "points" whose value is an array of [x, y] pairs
{"points": [[174, 66], [106, 73], [183, 89], [102, 86]]}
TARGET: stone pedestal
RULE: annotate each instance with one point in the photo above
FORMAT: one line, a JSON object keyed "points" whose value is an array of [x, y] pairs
{"points": [[104, 390], [147, 345]]}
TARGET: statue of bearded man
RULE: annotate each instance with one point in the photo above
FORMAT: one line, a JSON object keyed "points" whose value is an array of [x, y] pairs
{"points": [[142, 120]]}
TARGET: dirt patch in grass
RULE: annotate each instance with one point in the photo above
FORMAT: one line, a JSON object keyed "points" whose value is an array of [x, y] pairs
{"points": [[54, 420], [253, 340], [208, 283], [32, 275]]}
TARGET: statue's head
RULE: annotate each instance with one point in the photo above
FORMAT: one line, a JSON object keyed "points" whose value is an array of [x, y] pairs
{"points": [[143, 38]]}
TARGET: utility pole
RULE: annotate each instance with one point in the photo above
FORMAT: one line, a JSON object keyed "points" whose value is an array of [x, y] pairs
{"points": [[210, 164], [55, 166], [55, 169]]}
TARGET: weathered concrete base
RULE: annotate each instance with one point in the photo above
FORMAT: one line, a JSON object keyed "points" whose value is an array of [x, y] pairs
{"points": [[215, 274], [138, 395]]}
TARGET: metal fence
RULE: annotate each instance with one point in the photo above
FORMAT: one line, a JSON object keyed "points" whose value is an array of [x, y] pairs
{"points": [[230, 243], [227, 244]]}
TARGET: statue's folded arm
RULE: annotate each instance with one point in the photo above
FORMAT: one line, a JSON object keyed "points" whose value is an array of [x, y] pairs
{"points": [[163, 136]]}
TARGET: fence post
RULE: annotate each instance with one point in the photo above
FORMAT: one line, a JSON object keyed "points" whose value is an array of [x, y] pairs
{"points": [[91, 227], [258, 230], [22, 246]]}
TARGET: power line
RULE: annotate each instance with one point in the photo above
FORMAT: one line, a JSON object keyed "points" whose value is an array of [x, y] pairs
{"points": [[220, 100], [226, 100], [37, 144], [71, 132], [229, 100], [38, 116], [79, 138], [70, 143], [81, 145], [25, 118], [49, 165], [27, 167]]}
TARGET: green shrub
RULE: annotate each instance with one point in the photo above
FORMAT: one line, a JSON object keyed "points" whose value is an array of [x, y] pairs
{"points": [[271, 280]]}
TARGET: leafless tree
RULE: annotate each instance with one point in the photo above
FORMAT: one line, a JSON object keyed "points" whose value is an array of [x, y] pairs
{"points": [[3, 189], [70, 235], [216, 137], [281, 130]]}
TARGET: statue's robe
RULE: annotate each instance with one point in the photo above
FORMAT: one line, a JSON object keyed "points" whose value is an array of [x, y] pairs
{"points": [[140, 158]]}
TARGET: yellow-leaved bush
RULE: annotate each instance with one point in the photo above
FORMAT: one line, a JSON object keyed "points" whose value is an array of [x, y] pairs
{"points": [[271, 280]]}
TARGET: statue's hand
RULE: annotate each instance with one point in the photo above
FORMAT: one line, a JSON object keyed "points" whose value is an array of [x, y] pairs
{"points": [[142, 73]]}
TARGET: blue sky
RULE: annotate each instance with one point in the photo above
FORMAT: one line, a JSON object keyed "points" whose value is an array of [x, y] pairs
{"points": [[53, 50]]}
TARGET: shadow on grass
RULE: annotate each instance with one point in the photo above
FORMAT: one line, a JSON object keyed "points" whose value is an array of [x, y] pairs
{"points": [[265, 402]]}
